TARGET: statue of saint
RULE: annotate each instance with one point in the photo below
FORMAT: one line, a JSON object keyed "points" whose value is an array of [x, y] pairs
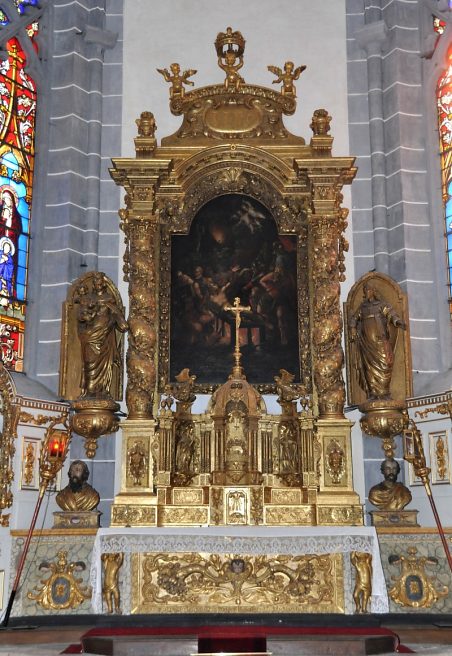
{"points": [[375, 338], [78, 495], [390, 495], [137, 462], [98, 319], [288, 445], [185, 448]]}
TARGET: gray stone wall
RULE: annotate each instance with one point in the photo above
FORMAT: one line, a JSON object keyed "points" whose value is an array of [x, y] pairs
{"points": [[74, 215], [394, 229], [397, 220]]}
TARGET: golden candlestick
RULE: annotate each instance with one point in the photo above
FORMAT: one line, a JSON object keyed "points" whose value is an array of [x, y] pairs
{"points": [[237, 371]]}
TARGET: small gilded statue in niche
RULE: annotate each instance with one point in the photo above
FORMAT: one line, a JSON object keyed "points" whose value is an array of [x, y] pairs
{"points": [[362, 562], [287, 77], [112, 563], [78, 495], [185, 451], [137, 462], [288, 449], [389, 494], [177, 79], [373, 330], [98, 320]]}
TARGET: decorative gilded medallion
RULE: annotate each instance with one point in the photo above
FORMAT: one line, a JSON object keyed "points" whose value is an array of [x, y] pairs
{"points": [[62, 589], [414, 587]]}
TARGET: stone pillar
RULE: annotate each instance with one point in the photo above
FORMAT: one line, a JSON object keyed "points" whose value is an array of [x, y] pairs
{"points": [[372, 37]]}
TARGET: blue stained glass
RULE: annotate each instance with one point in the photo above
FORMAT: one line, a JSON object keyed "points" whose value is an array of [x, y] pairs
{"points": [[449, 255], [20, 292], [20, 275]]}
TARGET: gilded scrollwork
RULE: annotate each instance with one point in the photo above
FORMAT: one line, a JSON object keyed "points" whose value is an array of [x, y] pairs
{"points": [[35, 420]]}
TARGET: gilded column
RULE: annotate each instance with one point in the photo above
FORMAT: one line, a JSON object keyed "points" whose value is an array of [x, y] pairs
{"points": [[141, 178], [327, 244], [140, 231]]}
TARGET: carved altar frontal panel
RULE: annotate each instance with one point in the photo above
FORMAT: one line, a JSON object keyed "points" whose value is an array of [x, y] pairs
{"points": [[231, 583]]}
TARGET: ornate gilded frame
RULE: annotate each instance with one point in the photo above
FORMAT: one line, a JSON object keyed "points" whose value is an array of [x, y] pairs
{"points": [[233, 140], [240, 171]]}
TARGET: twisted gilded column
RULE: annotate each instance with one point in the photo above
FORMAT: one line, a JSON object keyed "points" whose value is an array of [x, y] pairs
{"points": [[139, 268], [327, 223], [141, 178]]}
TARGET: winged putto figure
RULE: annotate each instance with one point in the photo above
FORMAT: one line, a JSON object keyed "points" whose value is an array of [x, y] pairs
{"points": [[287, 77], [177, 79]]}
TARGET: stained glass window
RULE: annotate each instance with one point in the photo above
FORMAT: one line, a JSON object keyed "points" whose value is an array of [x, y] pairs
{"points": [[17, 128], [444, 101]]}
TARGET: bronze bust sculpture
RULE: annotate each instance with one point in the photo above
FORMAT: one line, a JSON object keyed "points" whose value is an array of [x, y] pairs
{"points": [[390, 495], [78, 495]]}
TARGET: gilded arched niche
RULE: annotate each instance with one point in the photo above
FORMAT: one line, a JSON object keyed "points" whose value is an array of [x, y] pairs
{"points": [[234, 231]]}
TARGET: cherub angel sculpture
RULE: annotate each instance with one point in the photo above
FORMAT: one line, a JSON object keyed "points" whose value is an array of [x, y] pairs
{"points": [[287, 77], [177, 79]]}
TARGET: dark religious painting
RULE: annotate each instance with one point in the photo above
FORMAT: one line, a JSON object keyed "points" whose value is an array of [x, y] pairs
{"points": [[233, 250]]}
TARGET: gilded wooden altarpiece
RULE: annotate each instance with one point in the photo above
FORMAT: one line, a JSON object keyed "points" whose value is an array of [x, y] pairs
{"points": [[234, 206]]}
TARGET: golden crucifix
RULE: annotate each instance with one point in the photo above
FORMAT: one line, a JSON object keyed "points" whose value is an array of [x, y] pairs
{"points": [[237, 371]]}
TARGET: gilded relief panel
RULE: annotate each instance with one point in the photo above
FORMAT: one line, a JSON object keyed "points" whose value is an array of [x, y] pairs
{"points": [[197, 582]]}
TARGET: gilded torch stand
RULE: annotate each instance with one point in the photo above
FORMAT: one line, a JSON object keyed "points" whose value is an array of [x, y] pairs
{"points": [[49, 466]]}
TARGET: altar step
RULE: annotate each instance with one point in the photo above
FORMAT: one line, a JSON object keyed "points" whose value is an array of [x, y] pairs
{"points": [[329, 642]]}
